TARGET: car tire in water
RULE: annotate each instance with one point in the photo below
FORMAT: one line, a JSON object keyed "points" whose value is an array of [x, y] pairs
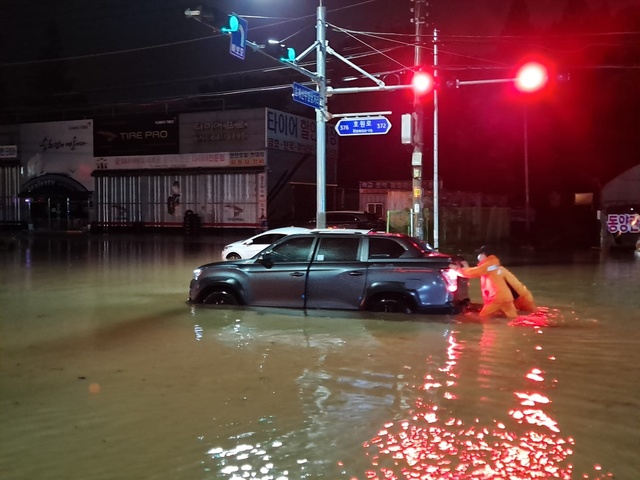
{"points": [[220, 297], [390, 302]]}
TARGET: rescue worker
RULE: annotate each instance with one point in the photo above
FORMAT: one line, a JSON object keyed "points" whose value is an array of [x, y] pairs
{"points": [[499, 287]]}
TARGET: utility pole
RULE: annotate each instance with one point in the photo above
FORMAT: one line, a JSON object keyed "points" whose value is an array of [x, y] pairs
{"points": [[420, 20], [526, 171], [436, 176], [322, 49], [321, 119]]}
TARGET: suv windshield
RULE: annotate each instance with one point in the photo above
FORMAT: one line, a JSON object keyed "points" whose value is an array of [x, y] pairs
{"points": [[294, 250]]}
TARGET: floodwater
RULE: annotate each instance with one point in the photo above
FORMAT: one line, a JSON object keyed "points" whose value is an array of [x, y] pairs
{"points": [[106, 373]]}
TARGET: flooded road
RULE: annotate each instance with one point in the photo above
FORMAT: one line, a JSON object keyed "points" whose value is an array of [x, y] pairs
{"points": [[106, 373]]}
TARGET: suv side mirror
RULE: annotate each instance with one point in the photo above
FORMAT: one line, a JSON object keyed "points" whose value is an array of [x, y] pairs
{"points": [[266, 260]]}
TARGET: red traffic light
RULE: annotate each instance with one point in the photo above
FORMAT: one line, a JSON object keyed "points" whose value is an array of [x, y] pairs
{"points": [[531, 76], [422, 83]]}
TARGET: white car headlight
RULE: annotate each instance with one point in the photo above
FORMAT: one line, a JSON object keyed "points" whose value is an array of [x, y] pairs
{"points": [[196, 273]]}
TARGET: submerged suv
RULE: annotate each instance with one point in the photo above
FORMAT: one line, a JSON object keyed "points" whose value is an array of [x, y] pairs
{"points": [[337, 270]]}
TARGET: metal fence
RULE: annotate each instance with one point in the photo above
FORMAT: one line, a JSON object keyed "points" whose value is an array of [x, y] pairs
{"points": [[459, 225]]}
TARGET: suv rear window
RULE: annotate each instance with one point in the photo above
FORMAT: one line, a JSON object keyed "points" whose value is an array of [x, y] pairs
{"points": [[343, 249], [384, 248]]}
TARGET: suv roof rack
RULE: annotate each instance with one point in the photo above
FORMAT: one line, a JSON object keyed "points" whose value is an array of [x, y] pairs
{"points": [[341, 230]]}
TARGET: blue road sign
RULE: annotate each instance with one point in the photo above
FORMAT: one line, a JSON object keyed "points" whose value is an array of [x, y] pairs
{"points": [[238, 45], [363, 126], [307, 96]]}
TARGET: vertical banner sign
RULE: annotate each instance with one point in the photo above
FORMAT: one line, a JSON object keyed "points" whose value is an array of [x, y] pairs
{"points": [[262, 200], [238, 46]]}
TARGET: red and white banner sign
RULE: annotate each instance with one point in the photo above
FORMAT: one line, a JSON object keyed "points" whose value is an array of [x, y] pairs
{"points": [[256, 158]]}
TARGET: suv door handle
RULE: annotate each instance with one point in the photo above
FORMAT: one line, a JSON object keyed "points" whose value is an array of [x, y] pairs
{"points": [[356, 273], [297, 274]]}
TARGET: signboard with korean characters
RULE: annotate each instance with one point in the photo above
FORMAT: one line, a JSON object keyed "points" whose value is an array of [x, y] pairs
{"points": [[58, 147]]}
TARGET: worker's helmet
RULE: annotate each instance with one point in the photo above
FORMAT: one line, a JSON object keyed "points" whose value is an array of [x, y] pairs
{"points": [[483, 250]]}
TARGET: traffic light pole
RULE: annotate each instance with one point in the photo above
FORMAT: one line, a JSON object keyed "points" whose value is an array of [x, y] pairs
{"points": [[322, 113], [534, 78], [531, 77], [321, 119], [526, 170], [418, 136], [436, 180]]}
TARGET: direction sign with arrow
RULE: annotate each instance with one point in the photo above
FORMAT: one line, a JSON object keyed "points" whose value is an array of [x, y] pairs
{"points": [[363, 126]]}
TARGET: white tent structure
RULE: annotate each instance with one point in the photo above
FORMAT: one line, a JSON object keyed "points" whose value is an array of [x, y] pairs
{"points": [[620, 210]]}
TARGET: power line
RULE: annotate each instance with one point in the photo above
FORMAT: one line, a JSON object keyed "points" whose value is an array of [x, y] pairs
{"points": [[392, 37]]}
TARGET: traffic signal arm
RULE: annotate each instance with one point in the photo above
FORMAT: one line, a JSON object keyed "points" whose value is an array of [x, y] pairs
{"points": [[221, 21]]}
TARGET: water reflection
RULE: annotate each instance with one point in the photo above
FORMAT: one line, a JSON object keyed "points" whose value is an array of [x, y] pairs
{"points": [[440, 427], [328, 396], [435, 444], [98, 348]]}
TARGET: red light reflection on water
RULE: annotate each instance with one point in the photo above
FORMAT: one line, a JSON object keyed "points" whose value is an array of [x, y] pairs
{"points": [[433, 445], [543, 317]]}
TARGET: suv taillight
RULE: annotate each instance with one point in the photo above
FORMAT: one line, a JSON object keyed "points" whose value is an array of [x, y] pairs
{"points": [[451, 279]]}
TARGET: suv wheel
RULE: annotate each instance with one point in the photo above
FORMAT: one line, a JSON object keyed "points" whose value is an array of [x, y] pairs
{"points": [[233, 256], [220, 297], [390, 302]]}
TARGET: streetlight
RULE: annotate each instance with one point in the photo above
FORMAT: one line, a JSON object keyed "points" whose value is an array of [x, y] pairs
{"points": [[531, 77]]}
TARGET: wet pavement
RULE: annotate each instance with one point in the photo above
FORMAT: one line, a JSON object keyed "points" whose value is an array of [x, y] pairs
{"points": [[106, 372]]}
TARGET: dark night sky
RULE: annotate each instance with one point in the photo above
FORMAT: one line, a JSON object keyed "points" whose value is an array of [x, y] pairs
{"points": [[581, 133]]}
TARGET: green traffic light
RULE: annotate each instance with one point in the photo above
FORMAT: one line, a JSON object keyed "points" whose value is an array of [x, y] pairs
{"points": [[288, 54], [280, 51], [233, 24]]}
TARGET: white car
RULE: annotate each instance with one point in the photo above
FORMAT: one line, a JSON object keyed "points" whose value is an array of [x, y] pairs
{"points": [[249, 247]]}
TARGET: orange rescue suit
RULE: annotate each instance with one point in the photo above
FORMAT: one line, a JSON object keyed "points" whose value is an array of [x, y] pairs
{"points": [[496, 294], [523, 298]]}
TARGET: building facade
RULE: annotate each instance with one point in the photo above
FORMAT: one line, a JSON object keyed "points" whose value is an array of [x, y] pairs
{"points": [[620, 211], [227, 169]]}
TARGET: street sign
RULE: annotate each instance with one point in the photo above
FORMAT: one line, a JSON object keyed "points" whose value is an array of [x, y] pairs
{"points": [[238, 45], [363, 126], [306, 96]]}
